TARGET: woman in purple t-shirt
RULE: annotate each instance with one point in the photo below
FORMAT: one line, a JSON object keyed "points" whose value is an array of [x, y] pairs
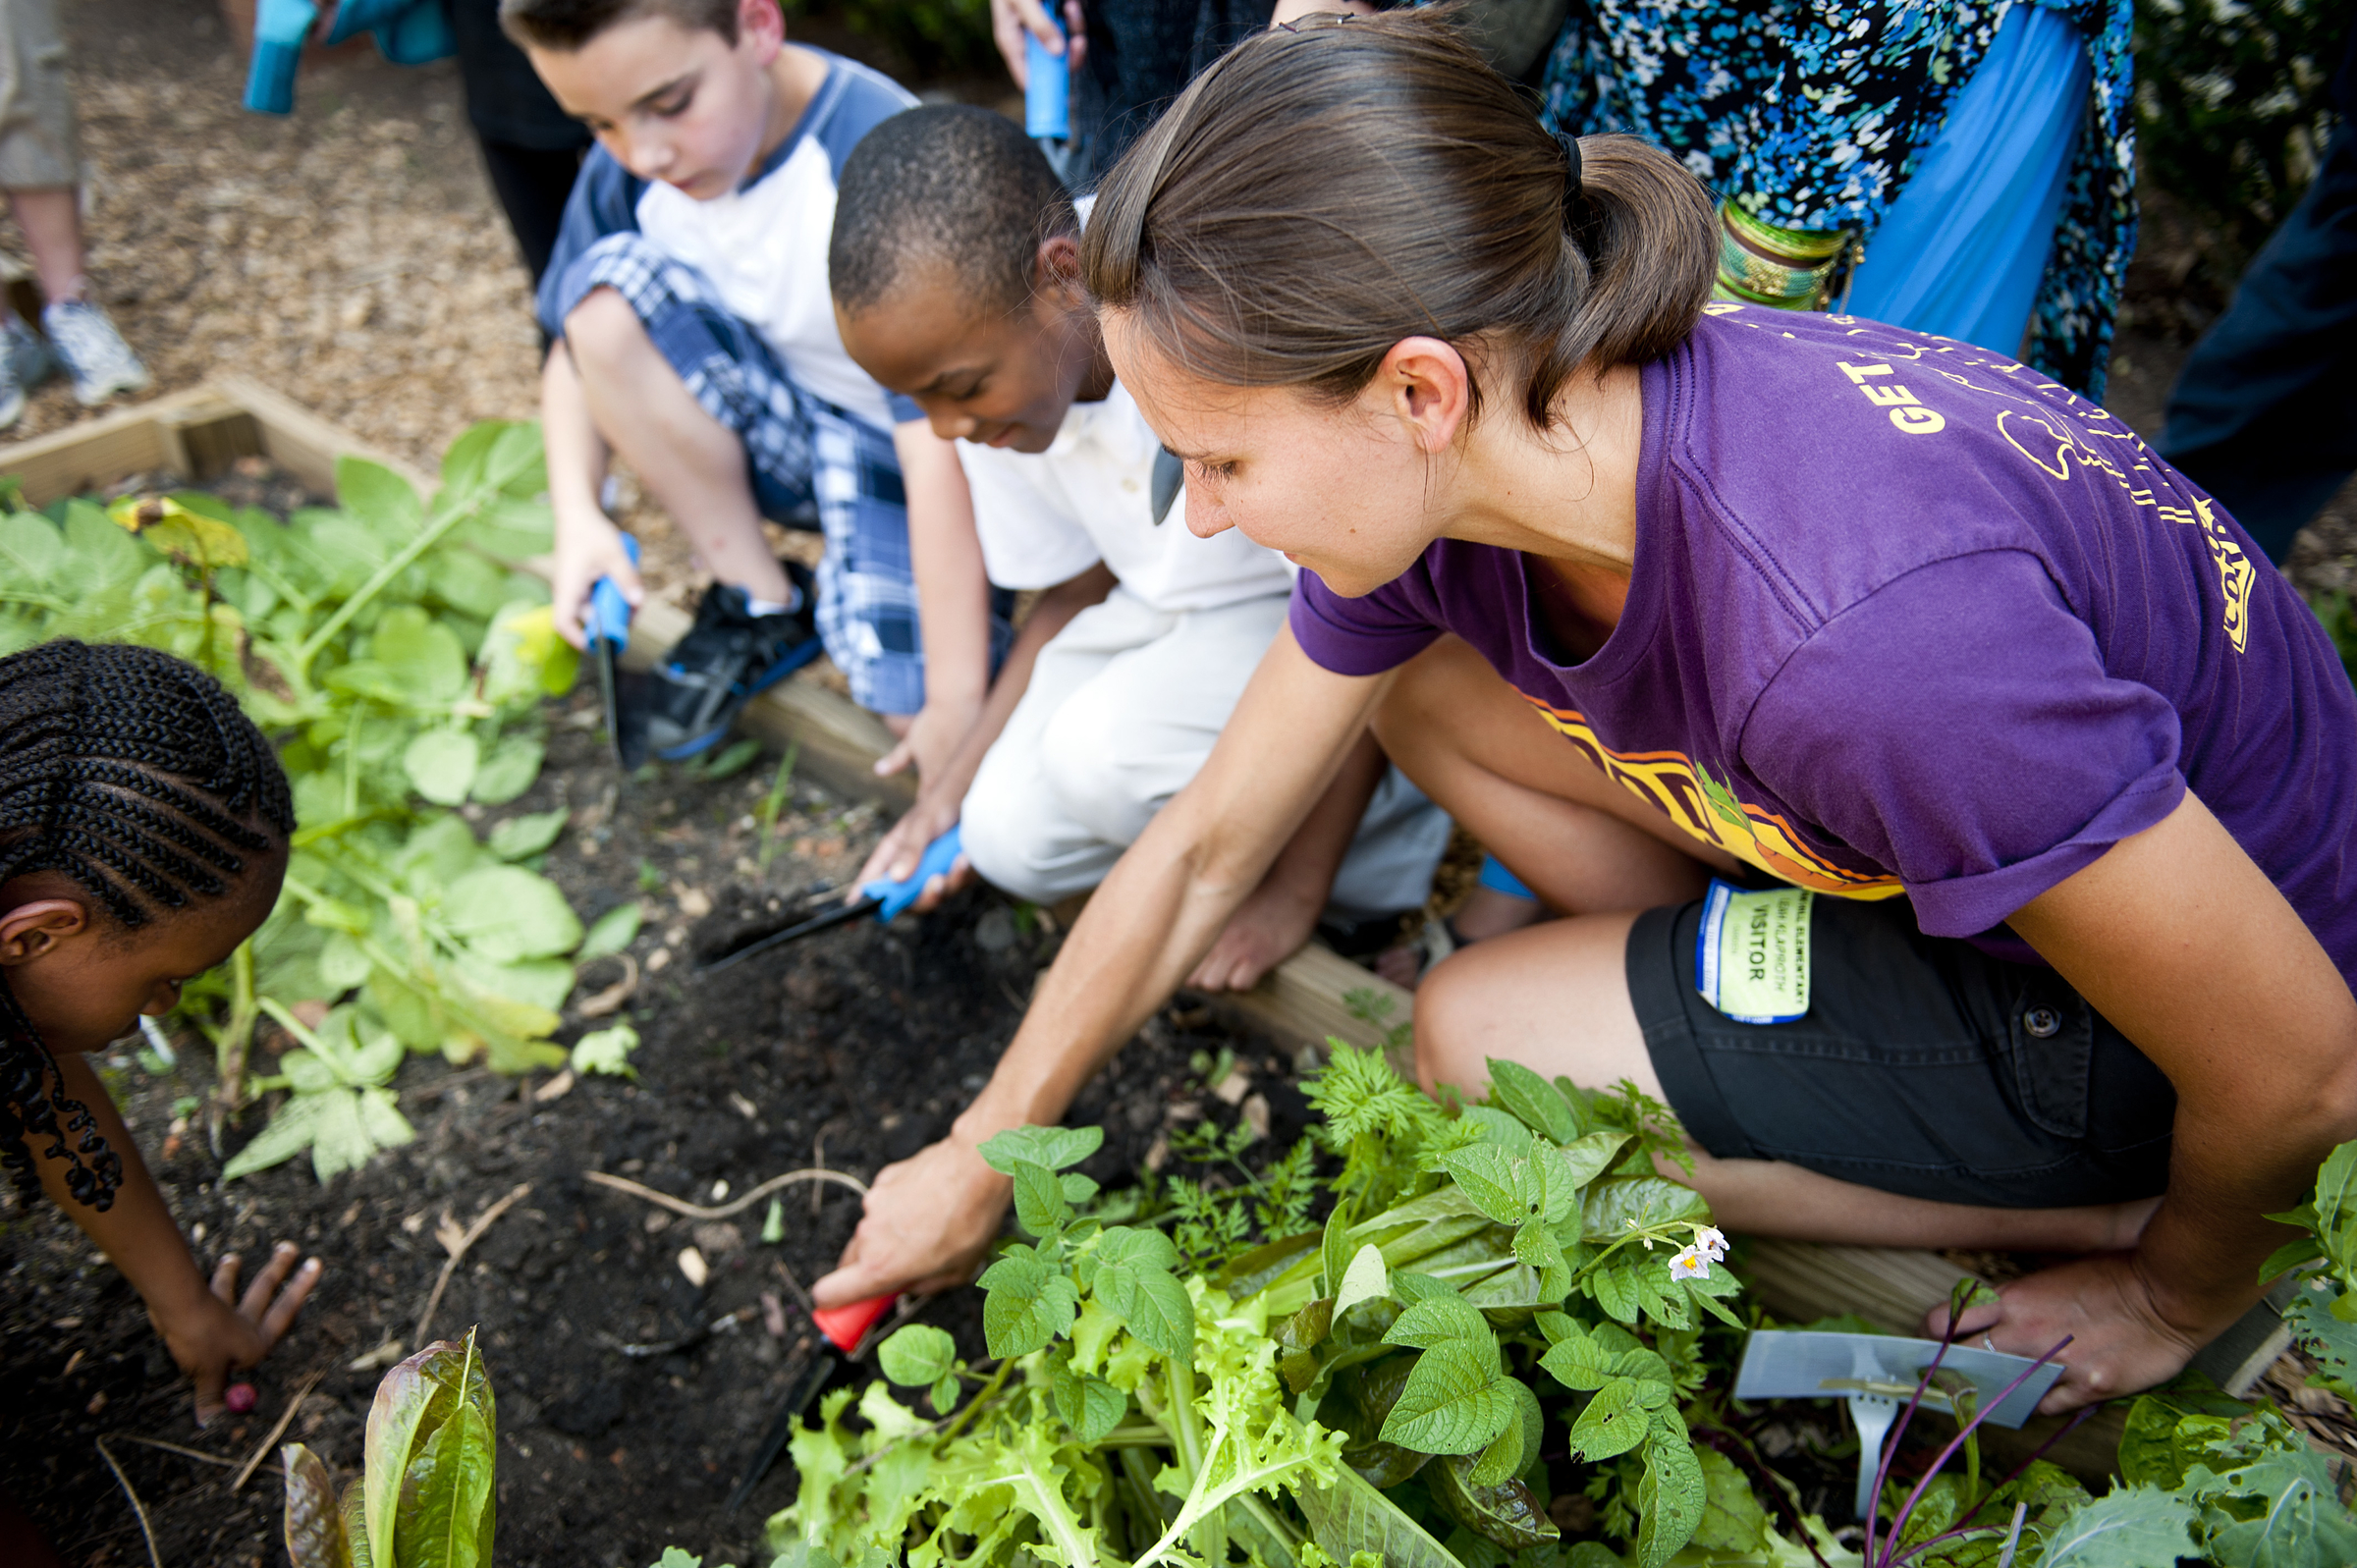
{"points": [[1686, 611]]}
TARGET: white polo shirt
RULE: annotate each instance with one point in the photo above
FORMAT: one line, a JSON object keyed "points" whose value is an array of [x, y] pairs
{"points": [[1048, 517]]}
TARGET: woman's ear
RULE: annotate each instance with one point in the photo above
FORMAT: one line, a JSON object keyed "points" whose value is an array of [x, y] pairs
{"points": [[1429, 388], [36, 927]]}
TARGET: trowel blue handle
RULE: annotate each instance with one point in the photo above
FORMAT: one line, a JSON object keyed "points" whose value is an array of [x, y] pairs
{"points": [[1047, 85], [279, 29], [894, 896], [609, 611]]}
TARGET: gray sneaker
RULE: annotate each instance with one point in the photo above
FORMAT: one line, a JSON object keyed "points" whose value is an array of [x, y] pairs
{"points": [[12, 391], [92, 351], [28, 355]]}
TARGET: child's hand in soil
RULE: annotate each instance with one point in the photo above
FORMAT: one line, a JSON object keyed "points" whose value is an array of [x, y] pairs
{"points": [[929, 1219], [215, 1332], [897, 854], [1267, 929]]}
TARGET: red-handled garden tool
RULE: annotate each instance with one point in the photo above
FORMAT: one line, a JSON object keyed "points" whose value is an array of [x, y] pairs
{"points": [[846, 1327]]}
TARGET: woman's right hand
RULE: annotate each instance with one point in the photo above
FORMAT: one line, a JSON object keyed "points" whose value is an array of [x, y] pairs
{"points": [[928, 1221], [1010, 20], [587, 549]]}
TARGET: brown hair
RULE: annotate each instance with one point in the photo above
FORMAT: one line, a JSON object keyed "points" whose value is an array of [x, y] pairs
{"points": [[566, 25], [1320, 194]]}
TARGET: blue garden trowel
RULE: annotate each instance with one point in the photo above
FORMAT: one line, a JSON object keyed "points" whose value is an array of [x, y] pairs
{"points": [[881, 898], [607, 629], [1877, 1374]]}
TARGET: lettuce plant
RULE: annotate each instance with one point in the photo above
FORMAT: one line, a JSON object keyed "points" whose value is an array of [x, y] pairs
{"points": [[424, 1498], [1367, 1388]]}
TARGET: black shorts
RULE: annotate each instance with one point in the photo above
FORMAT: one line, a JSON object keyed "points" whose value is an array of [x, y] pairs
{"points": [[1924, 1066]]}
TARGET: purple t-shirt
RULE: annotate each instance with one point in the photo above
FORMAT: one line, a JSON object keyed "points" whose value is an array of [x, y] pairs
{"points": [[1906, 618]]}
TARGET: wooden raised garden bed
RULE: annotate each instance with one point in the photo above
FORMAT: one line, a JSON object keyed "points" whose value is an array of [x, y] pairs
{"points": [[200, 433]]}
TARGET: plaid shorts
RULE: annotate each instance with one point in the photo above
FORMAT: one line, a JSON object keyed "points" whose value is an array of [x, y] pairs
{"points": [[811, 463]]}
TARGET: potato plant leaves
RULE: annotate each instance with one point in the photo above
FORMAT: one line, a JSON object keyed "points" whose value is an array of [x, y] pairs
{"points": [[1054, 1148], [399, 669], [1454, 1402]]}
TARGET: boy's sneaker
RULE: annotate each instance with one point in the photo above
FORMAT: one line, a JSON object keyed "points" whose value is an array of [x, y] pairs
{"points": [[27, 355], [728, 657], [92, 352], [12, 383]]}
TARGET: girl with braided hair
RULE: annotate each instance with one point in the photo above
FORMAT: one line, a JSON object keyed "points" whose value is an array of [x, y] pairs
{"points": [[143, 828]]}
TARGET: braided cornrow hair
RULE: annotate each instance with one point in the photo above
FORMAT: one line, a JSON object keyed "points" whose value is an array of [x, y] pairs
{"points": [[137, 776]]}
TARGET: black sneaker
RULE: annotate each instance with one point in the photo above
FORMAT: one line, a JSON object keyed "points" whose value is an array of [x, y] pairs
{"points": [[728, 657]]}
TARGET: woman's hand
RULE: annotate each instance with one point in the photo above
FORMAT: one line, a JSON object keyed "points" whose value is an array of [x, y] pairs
{"points": [[929, 1219], [216, 1331], [2120, 1339]]}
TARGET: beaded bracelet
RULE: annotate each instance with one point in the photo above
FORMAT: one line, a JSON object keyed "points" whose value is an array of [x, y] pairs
{"points": [[1786, 268]]}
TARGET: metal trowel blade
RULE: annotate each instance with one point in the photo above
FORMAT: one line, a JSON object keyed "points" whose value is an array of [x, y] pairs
{"points": [[1809, 1363]]}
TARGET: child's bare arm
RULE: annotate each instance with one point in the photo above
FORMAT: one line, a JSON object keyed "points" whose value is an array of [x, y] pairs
{"points": [[937, 807], [209, 1331], [952, 599], [1281, 912], [588, 545]]}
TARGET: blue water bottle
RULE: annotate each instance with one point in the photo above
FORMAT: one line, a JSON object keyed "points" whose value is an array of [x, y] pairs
{"points": [[1048, 91]]}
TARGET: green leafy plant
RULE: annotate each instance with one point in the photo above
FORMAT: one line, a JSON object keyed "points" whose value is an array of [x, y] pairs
{"points": [[936, 36], [340, 1110], [426, 1497], [401, 665], [1371, 1386]]}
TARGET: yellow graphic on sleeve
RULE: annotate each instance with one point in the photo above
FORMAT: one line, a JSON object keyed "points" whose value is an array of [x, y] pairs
{"points": [[2235, 574], [1670, 782]]}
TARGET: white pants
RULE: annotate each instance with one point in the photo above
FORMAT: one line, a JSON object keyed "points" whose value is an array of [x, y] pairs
{"points": [[1123, 706]]}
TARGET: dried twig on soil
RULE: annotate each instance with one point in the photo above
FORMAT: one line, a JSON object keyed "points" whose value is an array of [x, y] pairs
{"points": [[735, 1206], [284, 1417], [137, 1507], [614, 995], [179, 1449], [456, 1247]]}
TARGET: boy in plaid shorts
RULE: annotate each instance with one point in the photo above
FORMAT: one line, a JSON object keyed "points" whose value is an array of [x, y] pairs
{"points": [[694, 336]]}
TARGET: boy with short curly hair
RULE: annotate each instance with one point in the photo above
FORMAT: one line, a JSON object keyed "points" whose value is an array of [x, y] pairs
{"points": [[694, 337]]}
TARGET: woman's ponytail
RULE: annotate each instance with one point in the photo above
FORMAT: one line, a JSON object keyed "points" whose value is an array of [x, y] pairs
{"points": [[1320, 194], [1640, 234]]}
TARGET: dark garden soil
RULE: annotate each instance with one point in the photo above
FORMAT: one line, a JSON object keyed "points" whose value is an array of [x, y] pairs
{"points": [[855, 1049]]}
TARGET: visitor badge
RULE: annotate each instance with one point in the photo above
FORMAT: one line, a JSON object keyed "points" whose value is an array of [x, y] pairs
{"points": [[1752, 958]]}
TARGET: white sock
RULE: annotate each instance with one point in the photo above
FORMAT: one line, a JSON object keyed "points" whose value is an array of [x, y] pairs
{"points": [[770, 607]]}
